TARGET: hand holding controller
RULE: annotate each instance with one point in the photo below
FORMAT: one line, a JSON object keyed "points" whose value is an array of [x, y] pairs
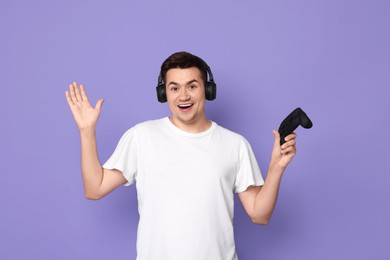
{"points": [[292, 121]]}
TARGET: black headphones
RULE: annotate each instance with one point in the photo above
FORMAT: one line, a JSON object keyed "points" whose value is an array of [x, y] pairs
{"points": [[210, 86]]}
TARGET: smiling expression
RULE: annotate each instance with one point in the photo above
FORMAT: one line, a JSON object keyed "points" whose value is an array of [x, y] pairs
{"points": [[186, 99]]}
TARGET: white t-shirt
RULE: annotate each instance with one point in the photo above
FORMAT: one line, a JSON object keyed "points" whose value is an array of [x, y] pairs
{"points": [[185, 186]]}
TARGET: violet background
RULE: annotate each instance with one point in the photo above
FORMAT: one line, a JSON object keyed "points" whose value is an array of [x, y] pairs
{"points": [[331, 58]]}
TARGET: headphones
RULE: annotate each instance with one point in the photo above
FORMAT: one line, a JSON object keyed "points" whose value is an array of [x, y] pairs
{"points": [[210, 86]]}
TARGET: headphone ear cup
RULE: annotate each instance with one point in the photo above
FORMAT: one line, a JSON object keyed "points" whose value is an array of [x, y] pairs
{"points": [[161, 94], [211, 90]]}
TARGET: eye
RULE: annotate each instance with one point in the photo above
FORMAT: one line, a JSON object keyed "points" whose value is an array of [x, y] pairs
{"points": [[192, 87], [174, 89]]}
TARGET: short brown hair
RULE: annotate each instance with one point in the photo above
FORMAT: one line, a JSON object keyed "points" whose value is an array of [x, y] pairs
{"points": [[183, 60]]}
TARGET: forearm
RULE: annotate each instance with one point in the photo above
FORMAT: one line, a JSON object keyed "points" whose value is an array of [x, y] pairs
{"points": [[92, 171], [266, 198]]}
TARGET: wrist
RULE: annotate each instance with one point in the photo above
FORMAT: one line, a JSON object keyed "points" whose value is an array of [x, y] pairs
{"points": [[86, 132], [275, 168]]}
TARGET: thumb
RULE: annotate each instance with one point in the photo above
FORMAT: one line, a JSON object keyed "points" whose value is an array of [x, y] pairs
{"points": [[277, 138], [99, 104]]}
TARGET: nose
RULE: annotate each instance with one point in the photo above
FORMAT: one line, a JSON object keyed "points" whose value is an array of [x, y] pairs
{"points": [[184, 95]]}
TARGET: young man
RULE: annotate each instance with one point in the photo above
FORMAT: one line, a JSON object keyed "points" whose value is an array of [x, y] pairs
{"points": [[186, 168]]}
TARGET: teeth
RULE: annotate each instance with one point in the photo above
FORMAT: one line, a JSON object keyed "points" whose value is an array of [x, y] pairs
{"points": [[185, 106]]}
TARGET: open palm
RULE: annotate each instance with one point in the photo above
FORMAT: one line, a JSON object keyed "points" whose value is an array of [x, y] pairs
{"points": [[84, 114]]}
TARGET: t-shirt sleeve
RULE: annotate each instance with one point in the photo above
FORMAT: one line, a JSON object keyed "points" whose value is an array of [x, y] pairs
{"points": [[124, 158], [248, 170]]}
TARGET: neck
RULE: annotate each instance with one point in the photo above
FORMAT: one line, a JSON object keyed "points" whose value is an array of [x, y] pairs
{"points": [[191, 127]]}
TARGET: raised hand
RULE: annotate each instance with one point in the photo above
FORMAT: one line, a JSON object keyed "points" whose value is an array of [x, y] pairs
{"points": [[84, 114]]}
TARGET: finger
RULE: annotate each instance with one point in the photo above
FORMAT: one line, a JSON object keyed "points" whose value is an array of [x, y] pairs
{"points": [[78, 95], [73, 92], [288, 149], [291, 150], [277, 138], [83, 93], [290, 137], [289, 143], [99, 104], [68, 98]]}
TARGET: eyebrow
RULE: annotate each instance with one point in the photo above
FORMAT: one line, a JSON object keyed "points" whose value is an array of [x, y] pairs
{"points": [[188, 83]]}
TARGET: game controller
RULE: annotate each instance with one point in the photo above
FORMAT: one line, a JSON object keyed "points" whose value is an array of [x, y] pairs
{"points": [[292, 121]]}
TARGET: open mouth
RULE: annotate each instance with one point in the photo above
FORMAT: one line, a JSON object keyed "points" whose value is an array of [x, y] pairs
{"points": [[185, 107]]}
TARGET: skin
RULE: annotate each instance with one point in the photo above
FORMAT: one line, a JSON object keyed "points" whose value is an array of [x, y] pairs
{"points": [[97, 181], [259, 201], [185, 87], [186, 100]]}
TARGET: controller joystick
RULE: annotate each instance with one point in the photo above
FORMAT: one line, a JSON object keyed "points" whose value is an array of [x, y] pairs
{"points": [[296, 118]]}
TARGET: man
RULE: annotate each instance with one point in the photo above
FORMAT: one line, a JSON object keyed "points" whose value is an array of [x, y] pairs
{"points": [[186, 168]]}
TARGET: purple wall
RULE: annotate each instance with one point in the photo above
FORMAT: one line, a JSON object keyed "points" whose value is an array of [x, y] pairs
{"points": [[332, 58]]}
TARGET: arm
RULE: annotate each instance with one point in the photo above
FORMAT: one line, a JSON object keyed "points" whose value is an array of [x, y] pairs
{"points": [[259, 202], [97, 181]]}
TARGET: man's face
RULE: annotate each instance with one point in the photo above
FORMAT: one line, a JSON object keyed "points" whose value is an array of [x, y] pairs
{"points": [[186, 97]]}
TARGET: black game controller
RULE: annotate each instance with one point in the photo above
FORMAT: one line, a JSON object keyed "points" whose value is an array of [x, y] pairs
{"points": [[292, 121]]}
